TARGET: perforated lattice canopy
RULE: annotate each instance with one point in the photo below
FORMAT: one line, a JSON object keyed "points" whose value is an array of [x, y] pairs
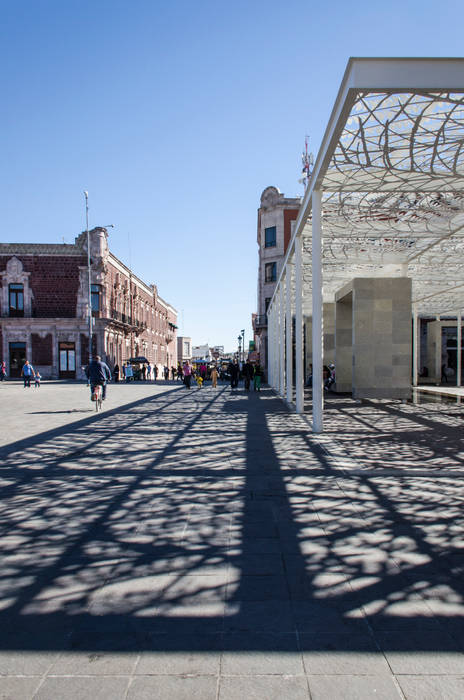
{"points": [[391, 172]]}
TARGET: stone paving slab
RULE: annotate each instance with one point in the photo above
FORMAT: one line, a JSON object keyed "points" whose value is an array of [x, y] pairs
{"points": [[206, 544]]}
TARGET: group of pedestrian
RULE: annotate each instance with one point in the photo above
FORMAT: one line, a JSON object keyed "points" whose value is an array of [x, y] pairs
{"points": [[249, 372], [28, 373]]}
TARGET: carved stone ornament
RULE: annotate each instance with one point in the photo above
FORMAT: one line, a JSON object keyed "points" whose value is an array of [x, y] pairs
{"points": [[14, 267]]}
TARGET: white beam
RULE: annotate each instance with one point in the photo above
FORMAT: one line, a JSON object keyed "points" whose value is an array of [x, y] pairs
{"points": [[288, 325], [318, 394], [299, 379]]}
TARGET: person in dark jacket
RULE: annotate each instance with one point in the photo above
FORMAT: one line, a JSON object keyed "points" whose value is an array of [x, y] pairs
{"points": [[98, 372], [248, 371], [234, 371]]}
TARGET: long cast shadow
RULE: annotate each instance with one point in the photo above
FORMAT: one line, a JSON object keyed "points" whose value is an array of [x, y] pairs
{"points": [[186, 524]]}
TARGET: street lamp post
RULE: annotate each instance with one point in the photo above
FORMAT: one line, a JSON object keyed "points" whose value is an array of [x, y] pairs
{"points": [[239, 338], [243, 338], [86, 195]]}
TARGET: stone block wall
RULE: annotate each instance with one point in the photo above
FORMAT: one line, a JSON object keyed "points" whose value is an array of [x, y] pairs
{"points": [[382, 338]]}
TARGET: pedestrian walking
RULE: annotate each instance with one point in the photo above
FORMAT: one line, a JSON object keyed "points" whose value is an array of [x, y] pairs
{"points": [[128, 372], [144, 373], [166, 373], [27, 373], [187, 374], [173, 373], [234, 371], [180, 372], [149, 372], [37, 379], [155, 372], [2, 371], [247, 371], [257, 378], [214, 377], [116, 373]]}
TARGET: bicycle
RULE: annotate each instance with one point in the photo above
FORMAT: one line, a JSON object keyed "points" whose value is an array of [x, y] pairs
{"points": [[97, 397]]}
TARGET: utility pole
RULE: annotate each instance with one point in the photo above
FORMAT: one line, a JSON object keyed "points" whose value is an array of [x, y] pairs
{"points": [[86, 195]]}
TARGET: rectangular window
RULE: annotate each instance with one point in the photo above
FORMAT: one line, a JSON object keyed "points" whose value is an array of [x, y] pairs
{"points": [[270, 237], [95, 293], [267, 301], [270, 272], [16, 295], [67, 358]]}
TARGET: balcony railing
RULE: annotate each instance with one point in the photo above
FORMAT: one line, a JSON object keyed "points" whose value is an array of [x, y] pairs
{"points": [[260, 321]]}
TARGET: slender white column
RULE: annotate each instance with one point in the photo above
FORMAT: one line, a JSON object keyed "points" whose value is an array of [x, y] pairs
{"points": [[438, 342], [288, 324], [282, 340], [459, 348], [270, 351], [318, 395], [415, 346], [274, 346], [299, 374]]}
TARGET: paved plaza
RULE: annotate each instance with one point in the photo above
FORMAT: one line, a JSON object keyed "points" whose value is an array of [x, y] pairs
{"points": [[206, 545]]}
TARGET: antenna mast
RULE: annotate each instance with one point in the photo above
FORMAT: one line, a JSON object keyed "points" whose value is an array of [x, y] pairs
{"points": [[307, 161]]}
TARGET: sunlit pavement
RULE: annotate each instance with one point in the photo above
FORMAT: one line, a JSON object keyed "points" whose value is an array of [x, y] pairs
{"points": [[205, 545]]}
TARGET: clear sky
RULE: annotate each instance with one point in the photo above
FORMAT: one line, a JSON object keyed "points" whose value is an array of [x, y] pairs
{"points": [[175, 116]]}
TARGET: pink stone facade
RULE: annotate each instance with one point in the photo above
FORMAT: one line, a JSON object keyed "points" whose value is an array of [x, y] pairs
{"points": [[44, 309]]}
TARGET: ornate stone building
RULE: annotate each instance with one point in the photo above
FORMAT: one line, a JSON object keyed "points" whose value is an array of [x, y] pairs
{"points": [[44, 309], [276, 215]]}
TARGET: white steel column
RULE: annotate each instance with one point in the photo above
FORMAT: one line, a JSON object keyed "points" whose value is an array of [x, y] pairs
{"points": [[299, 380], [277, 340], [459, 348], [438, 342], [275, 369], [415, 346], [275, 354], [270, 345], [270, 356], [281, 340], [318, 395], [288, 325]]}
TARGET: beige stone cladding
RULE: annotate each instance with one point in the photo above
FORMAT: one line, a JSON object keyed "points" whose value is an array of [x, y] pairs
{"points": [[381, 326]]}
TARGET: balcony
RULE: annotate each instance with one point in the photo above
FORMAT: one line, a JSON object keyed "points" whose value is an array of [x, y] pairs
{"points": [[128, 323], [260, 321]]}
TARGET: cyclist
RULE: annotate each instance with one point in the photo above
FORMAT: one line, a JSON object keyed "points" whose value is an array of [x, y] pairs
{"points": [[98, 372]]}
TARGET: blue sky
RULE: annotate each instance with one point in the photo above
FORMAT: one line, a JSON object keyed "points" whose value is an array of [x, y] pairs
{"points": [[175, 116]]}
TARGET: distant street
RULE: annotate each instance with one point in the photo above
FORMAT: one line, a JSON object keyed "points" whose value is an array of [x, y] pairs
{"points": [[205, 545]]}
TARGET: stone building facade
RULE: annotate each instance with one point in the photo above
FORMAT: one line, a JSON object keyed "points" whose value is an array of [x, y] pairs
{"points": [[184, 349], [45, 304], [276, 215]]}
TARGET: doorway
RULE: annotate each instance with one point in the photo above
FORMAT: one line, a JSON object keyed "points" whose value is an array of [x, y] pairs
{"points": [[17, 358], [67, 359]]}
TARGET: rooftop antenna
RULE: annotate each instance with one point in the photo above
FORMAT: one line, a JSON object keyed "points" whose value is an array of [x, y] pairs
{"points": [[307, 161]]}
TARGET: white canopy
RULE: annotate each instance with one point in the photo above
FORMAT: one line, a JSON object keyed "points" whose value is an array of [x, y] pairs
{"points": [[385, 199], [391, 172]]}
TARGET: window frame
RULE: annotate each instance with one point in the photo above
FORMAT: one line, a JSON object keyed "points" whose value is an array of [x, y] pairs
{"points": [[273, 276], [95, 292], [272, 243], [16, 290]]}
